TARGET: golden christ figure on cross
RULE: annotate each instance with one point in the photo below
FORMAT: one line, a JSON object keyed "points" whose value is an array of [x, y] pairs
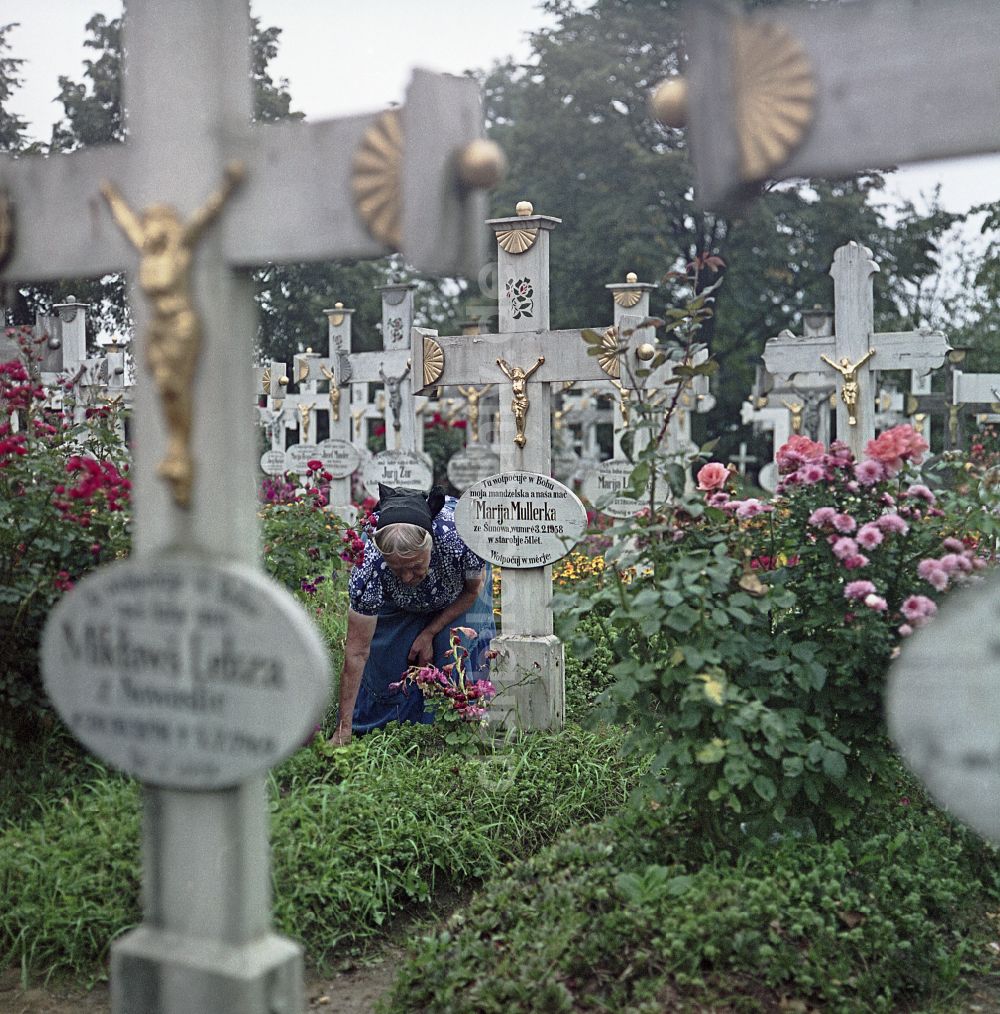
{"points": [[518, 376], [849, 371], [166, 247]]}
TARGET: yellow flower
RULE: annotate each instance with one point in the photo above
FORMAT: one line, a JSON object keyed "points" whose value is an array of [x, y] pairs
{"points": [[715, 688], [712, 752]]}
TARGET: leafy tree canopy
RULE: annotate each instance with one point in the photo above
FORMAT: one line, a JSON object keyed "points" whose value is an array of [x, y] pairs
{"points": [[582, 146]]}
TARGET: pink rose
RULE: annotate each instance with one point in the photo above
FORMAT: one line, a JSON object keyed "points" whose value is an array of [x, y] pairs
{"points": [[712, 476]]}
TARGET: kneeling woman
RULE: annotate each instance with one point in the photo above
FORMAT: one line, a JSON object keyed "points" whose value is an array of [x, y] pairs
{"points": [[417, 580]]}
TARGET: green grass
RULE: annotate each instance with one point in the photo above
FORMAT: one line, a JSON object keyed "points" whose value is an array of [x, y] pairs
{"points": [[359, 835], [635, 915]]}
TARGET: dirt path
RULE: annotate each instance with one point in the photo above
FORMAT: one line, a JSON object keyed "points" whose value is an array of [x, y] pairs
{"points": [[354, 991]]}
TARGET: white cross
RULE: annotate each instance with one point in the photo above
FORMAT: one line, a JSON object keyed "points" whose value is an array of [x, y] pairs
{"points": [[526, 360], [187, 95], [855, 350]]}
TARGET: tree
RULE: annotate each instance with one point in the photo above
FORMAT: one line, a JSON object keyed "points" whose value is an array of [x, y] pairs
{"points": [[13, 128], [581, 144]]}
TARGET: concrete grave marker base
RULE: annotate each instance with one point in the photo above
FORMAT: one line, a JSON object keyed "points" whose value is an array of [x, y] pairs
{"points": [[534, 696], [264, 974]]}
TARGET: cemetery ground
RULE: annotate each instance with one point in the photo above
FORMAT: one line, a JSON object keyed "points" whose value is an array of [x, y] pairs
{"points": [[721, 825]]}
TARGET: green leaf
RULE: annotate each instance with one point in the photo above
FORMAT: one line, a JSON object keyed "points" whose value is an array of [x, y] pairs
{"points": [[834, 765], [765, 788]]}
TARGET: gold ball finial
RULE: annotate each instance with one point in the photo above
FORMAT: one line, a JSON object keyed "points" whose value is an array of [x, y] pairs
{"points": [[645, 352], [524, 208], [283, 381], [631, 278], [669, 102], [338, 306], [482, 164]]}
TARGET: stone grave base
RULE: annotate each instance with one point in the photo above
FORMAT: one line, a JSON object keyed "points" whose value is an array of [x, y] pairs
{"points": [[530, 676], [158, 972]]}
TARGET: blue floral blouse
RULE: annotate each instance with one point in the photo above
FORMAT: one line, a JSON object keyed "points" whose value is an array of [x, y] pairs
{"points": [[373, 585]]}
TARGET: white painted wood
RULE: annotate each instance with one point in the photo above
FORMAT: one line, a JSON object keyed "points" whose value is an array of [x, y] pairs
{"points": [[205, 942], [896, 81]]}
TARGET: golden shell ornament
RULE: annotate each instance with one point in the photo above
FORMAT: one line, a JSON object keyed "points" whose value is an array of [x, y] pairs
{"points": [[775, 94], [433, 361], [517, 239], [627, 298], [609, 358], [377, 181]]}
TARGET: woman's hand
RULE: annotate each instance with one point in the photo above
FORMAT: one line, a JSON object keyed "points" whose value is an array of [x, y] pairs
{"points": [[341, 735], [422, 652]]}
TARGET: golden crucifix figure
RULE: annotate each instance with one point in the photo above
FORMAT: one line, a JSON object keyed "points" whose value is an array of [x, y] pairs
{"points": [[849, 371], [795, 408], [357, 415], [305, 411], [334, 393], [518, 377], [166, 246], [472, 396], [624, 402]]}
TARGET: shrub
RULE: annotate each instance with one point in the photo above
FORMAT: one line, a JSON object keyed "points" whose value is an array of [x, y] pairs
{"points": [[626, 916], [63, 497], [752, 640]]}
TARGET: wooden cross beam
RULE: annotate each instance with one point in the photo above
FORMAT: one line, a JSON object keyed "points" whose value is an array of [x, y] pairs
{"points": [[830, 89], [855, 350]]}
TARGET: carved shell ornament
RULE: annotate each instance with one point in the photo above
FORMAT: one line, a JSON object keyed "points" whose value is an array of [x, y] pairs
{"points": [[627, 298], [377, 179], [433, 361], [518, 239], [774, 92], [608, 358]]}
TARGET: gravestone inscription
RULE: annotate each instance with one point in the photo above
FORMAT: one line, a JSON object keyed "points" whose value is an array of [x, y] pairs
{"points": [[183, 674], [520, 519]]}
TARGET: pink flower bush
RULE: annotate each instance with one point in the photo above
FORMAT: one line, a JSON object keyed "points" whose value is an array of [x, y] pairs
{"points": [[858, 589], [896, 446], [796, 452]]}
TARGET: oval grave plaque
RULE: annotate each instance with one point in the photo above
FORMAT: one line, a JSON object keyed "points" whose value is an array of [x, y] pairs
{"points": [[273, 462], [397, 468], [520, 519], [604, 485], [298, 456], [476, 462], [186, 674], [943, 703], [339, 458]]}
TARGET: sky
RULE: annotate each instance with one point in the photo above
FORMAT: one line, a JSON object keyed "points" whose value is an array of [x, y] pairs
{"points": [[351, 57]]}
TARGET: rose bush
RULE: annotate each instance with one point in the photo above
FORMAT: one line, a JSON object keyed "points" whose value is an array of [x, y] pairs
{"points": [[752, 639], [64, 495]]}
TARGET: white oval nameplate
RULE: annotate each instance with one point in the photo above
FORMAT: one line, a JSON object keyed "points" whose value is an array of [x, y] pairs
{"points": [[339, 458], [397, 468], [298, 456], [273, 462], [520, 519], [604, 485], [185, 674], [943, 705], [469, 466]]}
